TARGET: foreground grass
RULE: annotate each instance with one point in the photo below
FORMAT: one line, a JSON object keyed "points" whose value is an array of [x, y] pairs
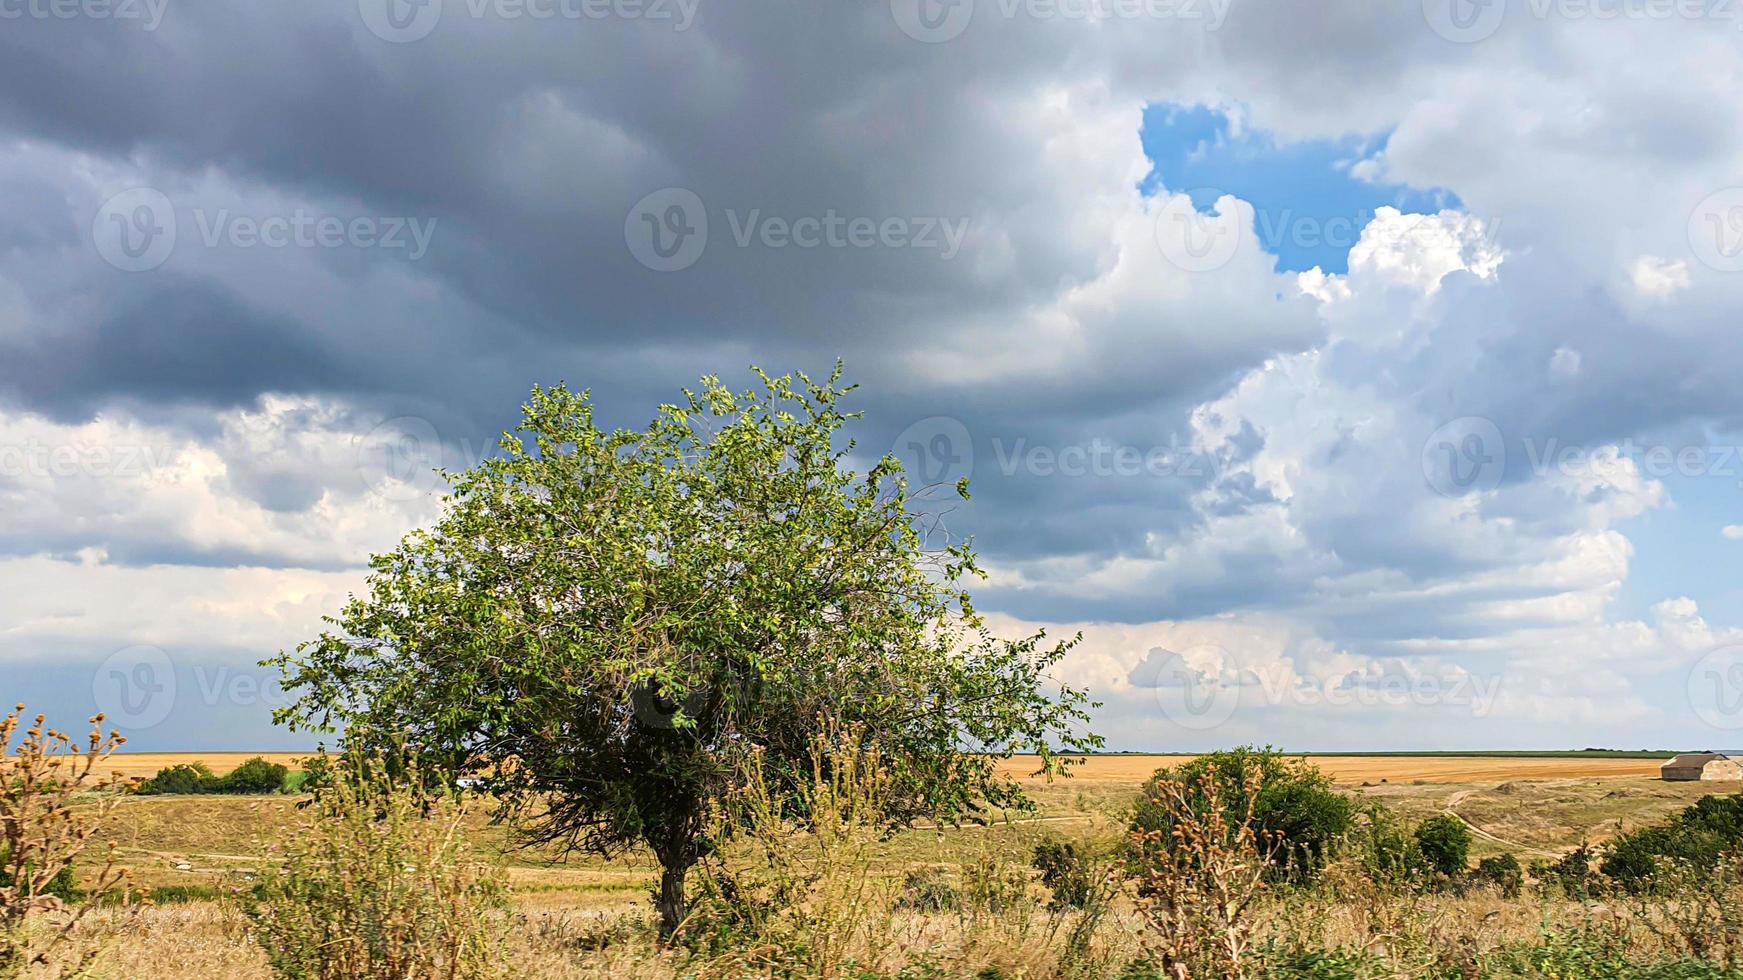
{"points": [[1355, 935]]}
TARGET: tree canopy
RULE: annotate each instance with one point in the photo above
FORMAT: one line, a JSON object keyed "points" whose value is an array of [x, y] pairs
{"points": [[1294, 806], [605, 627]]}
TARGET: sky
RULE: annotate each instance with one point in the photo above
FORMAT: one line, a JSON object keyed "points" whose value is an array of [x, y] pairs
{"points": [[1350, 375]]}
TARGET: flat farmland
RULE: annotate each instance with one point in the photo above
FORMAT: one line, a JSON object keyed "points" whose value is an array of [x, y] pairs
{"points": [[1134, 769], [1358, 769], [1535, 806], [145, 764]]}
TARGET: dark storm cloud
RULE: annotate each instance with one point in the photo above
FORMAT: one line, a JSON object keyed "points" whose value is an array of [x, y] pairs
{"points": [[529, 141], [181, 340]]}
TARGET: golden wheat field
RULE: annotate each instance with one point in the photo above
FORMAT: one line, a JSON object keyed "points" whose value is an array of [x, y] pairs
{"points": [[1131, 769], [1354, 770], [143, 764]]}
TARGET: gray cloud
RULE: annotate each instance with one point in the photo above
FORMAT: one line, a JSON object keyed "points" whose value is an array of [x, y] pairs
{"points": [[1057, 326]]}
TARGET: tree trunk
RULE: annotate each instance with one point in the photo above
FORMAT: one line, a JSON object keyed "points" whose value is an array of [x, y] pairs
{"points": [[671, 902]]}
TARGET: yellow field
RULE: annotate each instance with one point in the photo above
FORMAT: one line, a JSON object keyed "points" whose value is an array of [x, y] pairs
{"points": [[143, 764], [1353, 770], [1348, 769], [1132, 769]]}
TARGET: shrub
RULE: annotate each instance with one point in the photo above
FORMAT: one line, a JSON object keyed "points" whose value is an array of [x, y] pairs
{"points": [[42, 834], [1203, 870], [928, 891], [1068, 874], [377, 882], [62, 886], [1388, 851], [1571, 873], [1698, 836], [1445, 843], [1293, 805], [180, 779], [254, 776], [1503, 872]]}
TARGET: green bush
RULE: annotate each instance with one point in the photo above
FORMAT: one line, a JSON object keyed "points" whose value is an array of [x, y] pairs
{"points": [[254, 776], [1572, 873], [1502, 871], [1065, 871], [61, 886], [1445, 843], [183, 779], [1698, 836], [1387, 849], [1294, 803]]}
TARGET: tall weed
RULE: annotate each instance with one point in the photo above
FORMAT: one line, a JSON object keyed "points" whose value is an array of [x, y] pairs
{"points": [[377, 882]]}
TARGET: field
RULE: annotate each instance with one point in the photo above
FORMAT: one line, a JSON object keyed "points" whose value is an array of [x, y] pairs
{"points": [[1357, 769], [139, 765], [1134, 768], [1533, 807]]}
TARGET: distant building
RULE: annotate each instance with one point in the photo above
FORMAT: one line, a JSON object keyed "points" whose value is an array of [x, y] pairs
{"points": [[1702, 766]]}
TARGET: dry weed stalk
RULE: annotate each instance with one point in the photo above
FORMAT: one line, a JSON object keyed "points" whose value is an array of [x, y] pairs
{"points": [[52, 804], [1201, 877], [794, 870], [378, 882]]}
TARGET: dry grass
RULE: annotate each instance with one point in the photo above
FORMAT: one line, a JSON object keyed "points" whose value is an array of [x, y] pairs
{"points": [[591, 918], [1544, 818], [210, 941]]}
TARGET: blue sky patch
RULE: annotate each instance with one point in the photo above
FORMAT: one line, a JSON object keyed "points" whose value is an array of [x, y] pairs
{"points": [[1308, 207]]}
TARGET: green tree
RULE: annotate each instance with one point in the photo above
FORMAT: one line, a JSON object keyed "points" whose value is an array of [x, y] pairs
{"points": [[606, 626], [1295, 806], [1445, 843]]}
